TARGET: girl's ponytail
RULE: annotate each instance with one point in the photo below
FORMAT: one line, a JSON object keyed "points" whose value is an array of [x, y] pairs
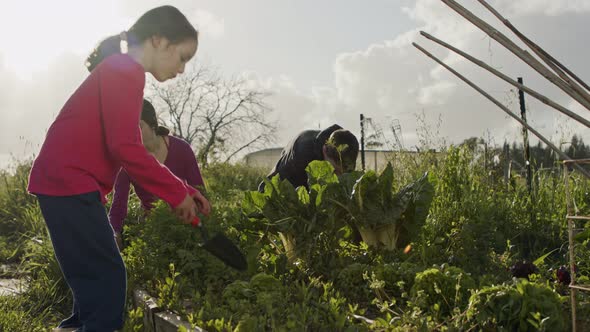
{"points": [[107, 47]]}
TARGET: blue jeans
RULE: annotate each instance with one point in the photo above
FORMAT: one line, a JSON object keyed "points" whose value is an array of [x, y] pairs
{"points": [[86, 251]]}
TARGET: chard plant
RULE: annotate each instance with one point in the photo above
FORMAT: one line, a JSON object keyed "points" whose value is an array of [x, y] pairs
{"points": [[297, 216], [384, 217]]}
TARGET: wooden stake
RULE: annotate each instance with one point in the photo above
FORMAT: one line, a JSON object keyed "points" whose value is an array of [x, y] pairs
{"points": [[507, 79], [546, 57], [522, 54], [504, 108]]}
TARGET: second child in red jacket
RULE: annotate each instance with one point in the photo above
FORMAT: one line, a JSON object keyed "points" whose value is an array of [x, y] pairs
{"points": [[172, 152]]}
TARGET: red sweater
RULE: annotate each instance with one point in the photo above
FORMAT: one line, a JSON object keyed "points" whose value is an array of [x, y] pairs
{"points": [[96, 133], [180, 161]]}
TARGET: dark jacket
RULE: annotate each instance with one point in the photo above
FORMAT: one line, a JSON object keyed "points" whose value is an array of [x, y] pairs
{"points": [[295, 157]]}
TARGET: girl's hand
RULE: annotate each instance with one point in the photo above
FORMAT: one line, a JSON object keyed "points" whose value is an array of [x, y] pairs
{"points": [[187, 210], [202, 203]]}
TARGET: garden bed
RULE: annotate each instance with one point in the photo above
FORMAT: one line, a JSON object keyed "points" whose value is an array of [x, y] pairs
{"points": [[157, 319]]}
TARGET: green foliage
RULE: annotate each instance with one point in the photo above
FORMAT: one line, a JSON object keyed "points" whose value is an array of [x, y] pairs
{"points": [[226, 182], [284, 209], [20, 216], [440, 290], [263, 294], [292, 210], [266, 304], [303, 219], [521, 306], [168, 291], [351, 281], [476, 221], [398, 277], [134, 321], [472, 218], [170, 241], [317, 306], [8, 251], [46, 297], [17, 314], [397, 218]]}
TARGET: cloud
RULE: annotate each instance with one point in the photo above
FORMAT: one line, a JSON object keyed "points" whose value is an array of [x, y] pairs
{"points": [[210, 26], [392, 78], [392, 81], [385, 80], [546, 7], [33, 104], [292, 109]]}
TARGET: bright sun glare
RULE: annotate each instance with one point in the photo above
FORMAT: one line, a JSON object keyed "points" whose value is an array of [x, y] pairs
{"points": [[36, 33]]}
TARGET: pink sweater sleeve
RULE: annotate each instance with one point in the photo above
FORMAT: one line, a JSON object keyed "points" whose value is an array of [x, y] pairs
{"points": [[118, 211], [121, 97]]}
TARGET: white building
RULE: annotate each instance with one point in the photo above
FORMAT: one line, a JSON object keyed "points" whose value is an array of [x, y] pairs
{"points": [[374, 159]]}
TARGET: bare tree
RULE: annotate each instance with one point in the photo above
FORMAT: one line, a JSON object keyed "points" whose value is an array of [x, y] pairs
{"points": [[220, 118]]}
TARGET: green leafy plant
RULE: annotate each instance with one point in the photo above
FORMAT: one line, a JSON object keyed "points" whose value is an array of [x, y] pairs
{"points": [[521, 306], [298, 216], [134, 321], [384, 217], [477, 222], [440, 290]]}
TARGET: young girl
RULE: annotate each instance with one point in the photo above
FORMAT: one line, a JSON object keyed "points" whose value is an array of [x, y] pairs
{"points": [[95, 134], [173, 152]]}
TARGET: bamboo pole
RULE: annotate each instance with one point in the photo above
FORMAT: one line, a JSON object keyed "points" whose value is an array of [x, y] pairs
{"points": [[522, 54], [578, 161], [506, 78], [557, 66], [570, 233], [504, 108], [587, 289]]}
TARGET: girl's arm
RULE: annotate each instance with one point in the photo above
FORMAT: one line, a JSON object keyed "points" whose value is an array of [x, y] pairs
{"points": [[121, 98]]}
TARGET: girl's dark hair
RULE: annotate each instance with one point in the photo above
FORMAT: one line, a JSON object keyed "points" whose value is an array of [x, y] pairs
{"points": [[164, 21], [148, 115]]}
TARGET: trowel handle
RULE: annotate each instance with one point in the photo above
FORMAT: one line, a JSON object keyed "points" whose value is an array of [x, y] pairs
{"points": [[197, 223]]}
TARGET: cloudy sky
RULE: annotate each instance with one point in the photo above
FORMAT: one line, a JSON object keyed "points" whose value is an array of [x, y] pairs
{"points": [[323, 61]]}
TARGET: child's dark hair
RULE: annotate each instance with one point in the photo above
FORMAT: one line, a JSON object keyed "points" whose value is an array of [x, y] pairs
{"points": [[164, 21], [148, 115], [342, 146]]}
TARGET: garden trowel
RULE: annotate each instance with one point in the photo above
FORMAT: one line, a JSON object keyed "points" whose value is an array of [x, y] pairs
{"points": [[221, 247]]}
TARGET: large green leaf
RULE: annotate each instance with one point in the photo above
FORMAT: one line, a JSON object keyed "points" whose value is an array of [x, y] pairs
{"points": [[303, 195], [420, 194], [365, 197], [320, 172], [386, 184], [253, 202], [373, 204]]}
